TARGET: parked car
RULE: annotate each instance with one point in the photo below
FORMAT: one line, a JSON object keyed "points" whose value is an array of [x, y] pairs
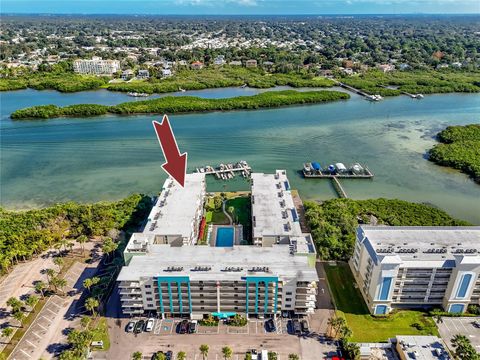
{"points": [[476, 323], [304, 326], [297, 330], [270, 325], [254, 354], [183, 327], [169, 355], [130, 327], [149, 325], [139, 326], [192, 327]]}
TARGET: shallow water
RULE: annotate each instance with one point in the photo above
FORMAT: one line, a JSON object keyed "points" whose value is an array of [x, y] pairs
{"points": [[109, 157]]}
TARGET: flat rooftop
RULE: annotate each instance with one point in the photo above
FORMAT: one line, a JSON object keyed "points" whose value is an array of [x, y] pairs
{"points": [[217, 263], [422, 347], [424, 243], [175, 209], [273, 209]]}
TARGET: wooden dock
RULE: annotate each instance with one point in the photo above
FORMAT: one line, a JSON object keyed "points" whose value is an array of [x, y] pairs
{"points": [[339, 188], [227, 171], [323, 175]]}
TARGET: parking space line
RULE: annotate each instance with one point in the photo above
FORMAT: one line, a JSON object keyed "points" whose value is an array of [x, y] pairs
{"points": [[50, 321], [31, 343], [25, 353], [53, 312], [44, 328], [34, 333]]}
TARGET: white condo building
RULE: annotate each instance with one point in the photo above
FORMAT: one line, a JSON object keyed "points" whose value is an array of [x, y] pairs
{"points": [[96, 66], [417, 267], [168, 274]]}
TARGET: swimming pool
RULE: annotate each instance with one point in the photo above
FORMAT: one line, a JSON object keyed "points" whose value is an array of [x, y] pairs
{"points": [[224, 237]]}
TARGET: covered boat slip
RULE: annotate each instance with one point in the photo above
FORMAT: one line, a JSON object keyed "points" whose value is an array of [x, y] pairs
{"points": [[337, 170]]}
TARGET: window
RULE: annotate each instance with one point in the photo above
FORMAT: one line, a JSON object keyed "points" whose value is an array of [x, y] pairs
{"points": [[201, 288], [236, 308], [385, 288], [288, 293], [288, 305], [235, 288], [464, 285], [202, 308], [235, 295], [236, 301], [148, 286], [201, 295], [288, 299], [149, 299], [202, 301], [148, 293]]}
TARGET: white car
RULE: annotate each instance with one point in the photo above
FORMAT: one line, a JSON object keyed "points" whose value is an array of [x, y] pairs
{"points": [[149, 326]]}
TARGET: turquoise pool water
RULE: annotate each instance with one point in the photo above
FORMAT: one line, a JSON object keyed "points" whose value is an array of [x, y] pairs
{"points": [[224, 237]]}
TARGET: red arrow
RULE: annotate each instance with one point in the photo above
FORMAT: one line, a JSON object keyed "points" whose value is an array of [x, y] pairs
{"points": [[175, 163]]}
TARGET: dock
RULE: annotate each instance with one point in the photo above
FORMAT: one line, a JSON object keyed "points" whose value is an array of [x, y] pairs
{"points": [[413, 96], [227, 171], [360, 92], [335, 172], [339, 188]]}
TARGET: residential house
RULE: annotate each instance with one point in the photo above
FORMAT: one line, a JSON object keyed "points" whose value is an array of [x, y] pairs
{"points": [[197, 65], [251, 63]]}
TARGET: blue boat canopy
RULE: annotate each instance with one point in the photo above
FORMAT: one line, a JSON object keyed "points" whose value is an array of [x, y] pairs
{"points": [[316, 166]]}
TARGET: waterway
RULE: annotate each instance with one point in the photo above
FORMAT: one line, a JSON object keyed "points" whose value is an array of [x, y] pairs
{"points": [[109, 157]]}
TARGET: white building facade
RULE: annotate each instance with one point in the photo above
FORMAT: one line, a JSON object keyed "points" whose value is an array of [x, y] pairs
{"points": [[96, 66], [417, 267]]}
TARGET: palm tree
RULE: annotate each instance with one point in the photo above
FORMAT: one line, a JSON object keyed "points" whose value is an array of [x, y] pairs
{"points": [[82, 239], [293, 357], [345, 332], [91, 304], [50, 275], [6, 332], [227, 352], [31, 301], [15, 304], [204, 350], [5, 264], [19, 315], [181, 355], [463, 347], [109, 246], [59, 262], [59, 283], [40, 287], [137, 355], [85, 321]]}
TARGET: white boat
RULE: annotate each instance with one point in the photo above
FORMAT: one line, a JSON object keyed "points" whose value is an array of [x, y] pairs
{"points": [[419, 96], [136, 94], [182, 90]]}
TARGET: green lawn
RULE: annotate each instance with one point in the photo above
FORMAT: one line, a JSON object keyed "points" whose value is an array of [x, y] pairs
{"points": [[365, 327], [100, 332], [242, 213], [347, 297]]}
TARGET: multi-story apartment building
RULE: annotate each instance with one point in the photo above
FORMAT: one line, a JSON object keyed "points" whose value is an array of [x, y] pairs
{"points": [[96, 66], [274, 217], [193, 281], [174, 219], [165, 273], [417, 267]]}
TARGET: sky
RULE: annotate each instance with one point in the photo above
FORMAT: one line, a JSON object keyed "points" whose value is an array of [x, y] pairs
{"points": [[240, 7]]}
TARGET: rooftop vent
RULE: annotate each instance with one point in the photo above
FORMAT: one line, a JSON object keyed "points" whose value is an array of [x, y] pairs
{"points": [[174, 268], [233, 269], [265, 269], [202, 268]]}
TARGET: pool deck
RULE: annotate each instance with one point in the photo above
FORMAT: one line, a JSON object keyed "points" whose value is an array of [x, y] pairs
{"points": [[238, 234]]}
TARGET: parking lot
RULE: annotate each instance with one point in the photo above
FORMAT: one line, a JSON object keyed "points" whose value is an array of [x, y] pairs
{"points": [[451, 326], [39, 329], [169, 326], [164, 337]]}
